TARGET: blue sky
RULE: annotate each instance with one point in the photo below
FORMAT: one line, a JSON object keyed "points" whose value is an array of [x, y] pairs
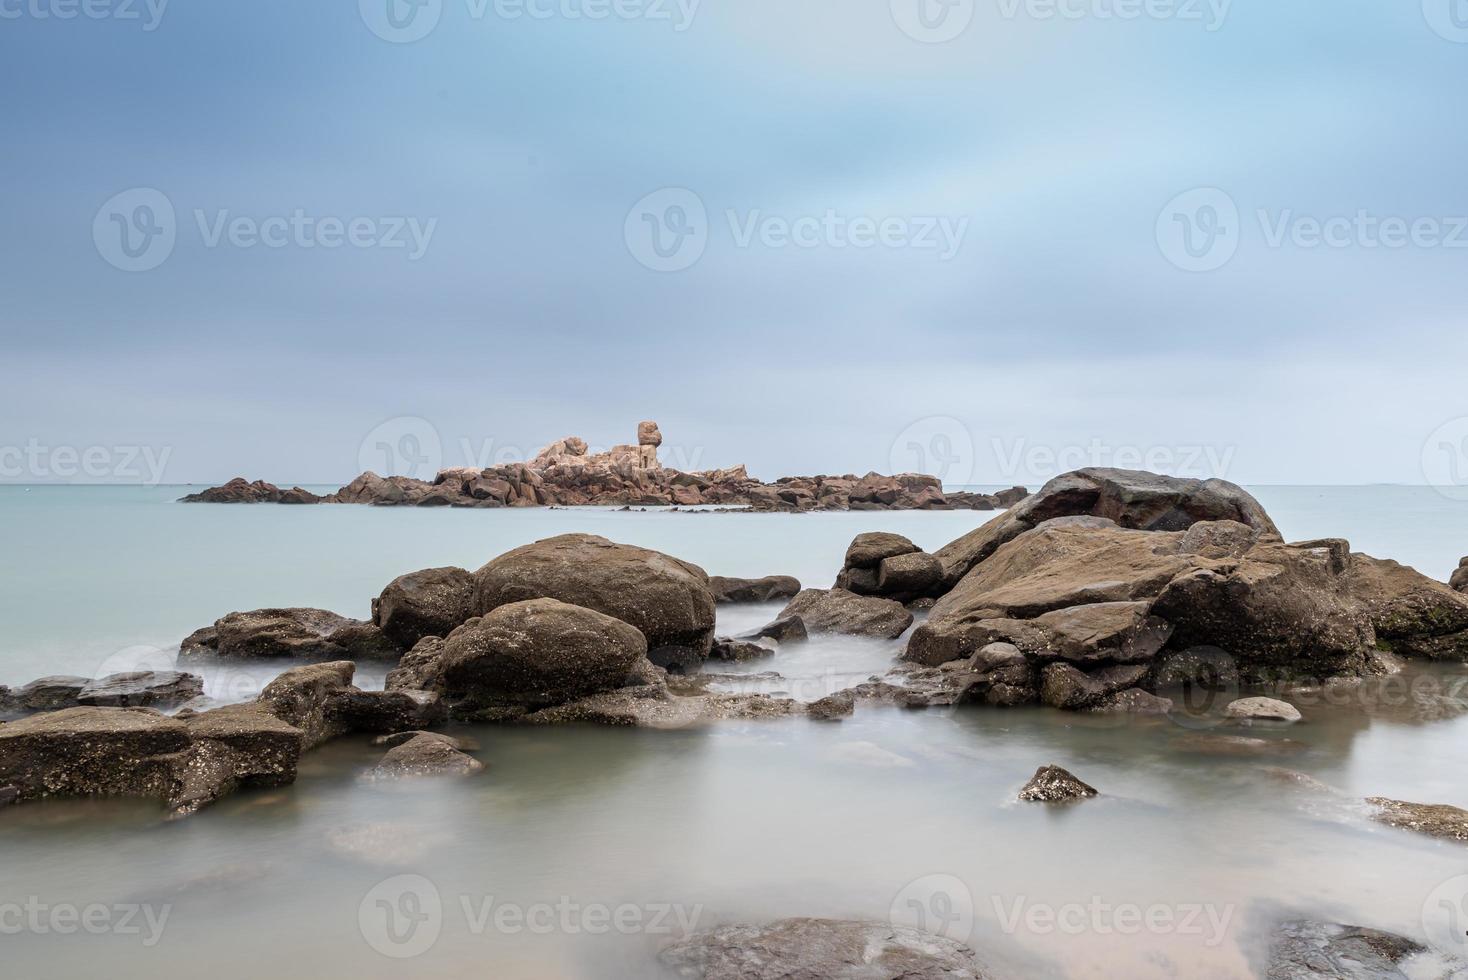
{"points": [[1059, 318]]}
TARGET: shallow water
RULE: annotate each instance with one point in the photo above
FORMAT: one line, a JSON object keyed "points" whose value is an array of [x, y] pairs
{"points": [[891, 812]]}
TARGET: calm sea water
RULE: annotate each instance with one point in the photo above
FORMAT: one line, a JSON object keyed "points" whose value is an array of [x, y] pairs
{"points": [[888, 813]]}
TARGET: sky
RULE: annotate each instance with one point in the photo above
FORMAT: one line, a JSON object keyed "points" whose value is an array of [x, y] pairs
{"points": [[990, 239]]}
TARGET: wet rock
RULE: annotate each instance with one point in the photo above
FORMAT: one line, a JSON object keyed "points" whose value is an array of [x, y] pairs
{"points": [[231, 748], [839, 611], [400, 710], [1133, 701], [1105, 632], [1412, 614], [142, 689], [1262, 709], [534, 654], [787, 629], [830, 949], [833, 707], [1432, 819], [431, 602], [1302, 949], [765, 589], [49, 693], [295, 634], [739, 651], [304, 697], [1235, 746], [1052, 784], [424, 754], [869, 550], [418, 669], [655, 706], [668, 600], [92, 752]]}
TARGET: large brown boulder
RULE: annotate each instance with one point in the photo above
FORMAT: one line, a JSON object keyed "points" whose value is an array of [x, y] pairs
{"points": [[1413, 615], [289, 634], [667, 599], [840, 611], [536, 653], [431, 602], [1130, 498], [92, 752]]}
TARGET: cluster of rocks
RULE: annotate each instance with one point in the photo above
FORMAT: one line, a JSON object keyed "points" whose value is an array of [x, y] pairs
{"points": [[1108, 586], [567, 474], [133, 689]]}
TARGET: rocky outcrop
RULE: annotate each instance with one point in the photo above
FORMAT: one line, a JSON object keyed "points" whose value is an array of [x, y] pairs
{"points": [[740, 651], [667, 599], [133, 689], [766, 589], [830, 949], [241, 491], [1303, 949], [833, 707], [1459, 579], [289, 634], [431, 602], [423, 754], [840, 611], [786, 629], [567, 474], [1413, 615], [1433, 819], [1052, 784], [889, 566]]}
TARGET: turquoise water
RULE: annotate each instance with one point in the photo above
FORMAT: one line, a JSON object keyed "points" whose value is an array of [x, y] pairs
{"points": [[735, 822]]}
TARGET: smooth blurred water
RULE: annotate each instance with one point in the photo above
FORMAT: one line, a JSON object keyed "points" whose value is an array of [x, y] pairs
{"points": [[738, 821]]}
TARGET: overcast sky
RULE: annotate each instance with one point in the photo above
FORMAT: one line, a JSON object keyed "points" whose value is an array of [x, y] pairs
{"points": [[283, 239]]}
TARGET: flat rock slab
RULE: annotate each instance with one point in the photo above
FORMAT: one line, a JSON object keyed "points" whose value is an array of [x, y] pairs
{"points": [[831, 949], [1306, 950], [1262, 709], [1433, 819]]}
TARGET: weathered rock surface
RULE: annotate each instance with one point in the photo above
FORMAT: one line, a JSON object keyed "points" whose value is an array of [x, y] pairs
{"points": [[833, 707], [1412, 614], [294, 634], [48, 694], [1262, 709], [868, 550], [828, 949], [767, 589], [421, 755], [1052, 784], [1433, 819], [840, 611], [1459, 579], [667, 599], [739, 651], [241, 491], [431, 602], [786, 629], [1302, 949]]}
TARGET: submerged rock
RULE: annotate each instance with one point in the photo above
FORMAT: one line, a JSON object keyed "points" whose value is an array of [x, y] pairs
{"points": [[1308, 950], [833, 707], [1052, 784], [767, 589], [294, 634], [829, 949], [668, 600], [421, 755], [92, 752], [787, 629], [1432, 819], [840, 611], [1262, 709], [739, 651]]}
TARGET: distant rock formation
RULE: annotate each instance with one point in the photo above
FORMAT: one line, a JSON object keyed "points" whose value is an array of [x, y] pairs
{"points": [[567, 474]]}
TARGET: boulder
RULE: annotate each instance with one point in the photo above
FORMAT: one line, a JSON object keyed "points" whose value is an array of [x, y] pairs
{"points": [[1303, 949], [1459, 579], [787, 629], [418, 669], [739, 651], [1010, 497], [534, 654], [431, 602], [49, 693], [767, 589], [93, 752], [424, 754], [142, 689], [667, 599], [833, 707], [293, 634], [1052, 784], [648, 434], [1432, 819], [1262, 709], [840, 611], [908, 577], [1412, 614], [868, 550], [829, 949]]}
